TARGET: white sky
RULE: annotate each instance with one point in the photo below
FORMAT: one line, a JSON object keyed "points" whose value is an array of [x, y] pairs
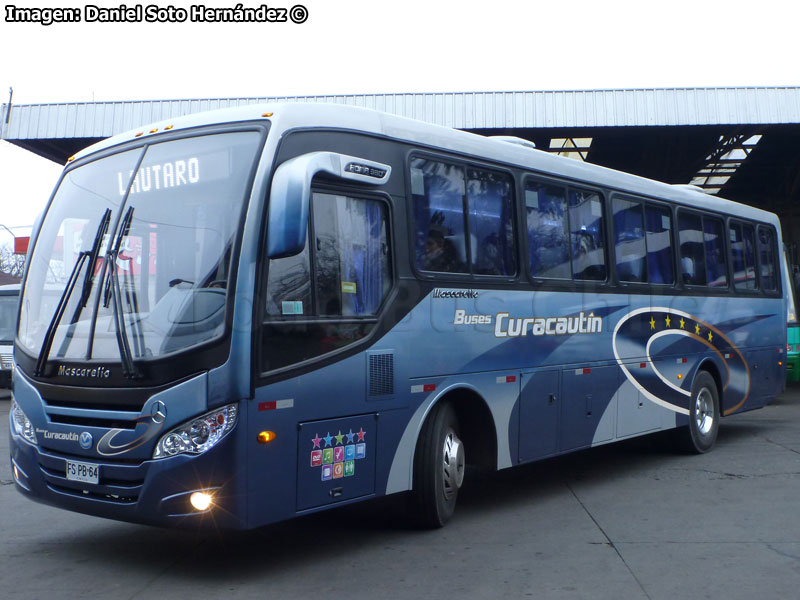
{"points": [[359, 46]]}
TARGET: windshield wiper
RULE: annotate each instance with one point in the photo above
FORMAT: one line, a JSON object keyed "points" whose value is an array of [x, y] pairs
{"points": [[88, 281], [114, 292], [132, 298], [49, 335]]}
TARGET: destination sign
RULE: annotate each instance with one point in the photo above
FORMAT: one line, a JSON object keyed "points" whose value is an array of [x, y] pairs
{"points": [[161, 176]]}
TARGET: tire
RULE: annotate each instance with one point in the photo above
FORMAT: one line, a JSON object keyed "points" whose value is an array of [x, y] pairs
{"points": [[439, 463], [701, 434]]}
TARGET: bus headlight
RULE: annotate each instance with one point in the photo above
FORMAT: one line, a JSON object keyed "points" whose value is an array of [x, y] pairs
{"points": [[199, 435], [22, 424]]}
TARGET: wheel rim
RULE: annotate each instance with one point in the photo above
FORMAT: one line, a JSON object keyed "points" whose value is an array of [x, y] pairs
{"points": [[704, 411], [452, 464]]}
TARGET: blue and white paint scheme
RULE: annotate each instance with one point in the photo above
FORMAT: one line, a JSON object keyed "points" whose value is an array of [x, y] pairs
{"points": [[290, 402]]}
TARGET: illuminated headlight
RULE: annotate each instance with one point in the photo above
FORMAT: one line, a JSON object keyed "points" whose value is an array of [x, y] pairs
{"points": [[22, 424], [199, 435]]}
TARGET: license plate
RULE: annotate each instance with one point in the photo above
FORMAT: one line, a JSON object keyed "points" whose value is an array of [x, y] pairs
{"points": [[80, 471]]}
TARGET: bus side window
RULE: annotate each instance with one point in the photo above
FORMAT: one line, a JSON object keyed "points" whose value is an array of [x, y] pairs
{"points": [[750, 257], [548, 230], [351, 262], [586, 234], [630, 242], [659, 245], [743, 257], [289, 286], [438, 191], [766, 251], [716, 263], [491, 223], [690, 234]]}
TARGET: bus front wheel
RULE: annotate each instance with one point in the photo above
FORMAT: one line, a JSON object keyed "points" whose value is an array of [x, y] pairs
{"points": [[439, 463], [701, 434]]}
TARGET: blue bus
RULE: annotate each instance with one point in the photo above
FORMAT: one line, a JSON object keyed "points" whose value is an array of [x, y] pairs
{"points": [[243, 316]]}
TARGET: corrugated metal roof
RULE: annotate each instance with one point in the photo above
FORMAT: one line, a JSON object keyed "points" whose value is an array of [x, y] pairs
{"points": [[472, 110]]}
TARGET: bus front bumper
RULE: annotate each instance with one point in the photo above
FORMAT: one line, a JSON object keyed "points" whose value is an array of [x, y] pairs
{"points": [[154, 492]]}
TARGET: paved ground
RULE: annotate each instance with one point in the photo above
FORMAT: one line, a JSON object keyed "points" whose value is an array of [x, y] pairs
{"points": [[631, 520]]}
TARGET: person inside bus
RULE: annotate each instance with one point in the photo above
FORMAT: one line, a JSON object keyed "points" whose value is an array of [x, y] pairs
{"points": [[440, 254]]}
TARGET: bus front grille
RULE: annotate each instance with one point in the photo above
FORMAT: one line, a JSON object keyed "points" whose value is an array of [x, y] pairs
{"points": [[83, 421], [93, 494], [125, 405]]}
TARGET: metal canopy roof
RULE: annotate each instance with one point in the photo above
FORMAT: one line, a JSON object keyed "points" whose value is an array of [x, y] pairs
{"points": [[739, 142], [478, 110]]}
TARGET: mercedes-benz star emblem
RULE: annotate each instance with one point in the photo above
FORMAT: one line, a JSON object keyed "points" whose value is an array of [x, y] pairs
{"points": [[159, 412]]}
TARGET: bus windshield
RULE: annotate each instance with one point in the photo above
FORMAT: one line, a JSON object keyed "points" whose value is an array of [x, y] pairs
{"points": [[148, 255]]}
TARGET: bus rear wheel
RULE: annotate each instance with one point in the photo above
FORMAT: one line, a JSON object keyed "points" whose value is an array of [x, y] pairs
{"points": [[439, 463], [701, 433]]}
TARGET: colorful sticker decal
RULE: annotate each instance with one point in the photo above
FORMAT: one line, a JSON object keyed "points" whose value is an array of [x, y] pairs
{"points": [[338, 460], [639, 331]]}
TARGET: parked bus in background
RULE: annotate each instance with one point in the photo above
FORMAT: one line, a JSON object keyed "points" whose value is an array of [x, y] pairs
{"points": [[9, 304], [243, 316], [793, 327]]}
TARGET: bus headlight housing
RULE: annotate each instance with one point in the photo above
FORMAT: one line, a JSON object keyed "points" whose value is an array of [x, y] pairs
{"points": [[198, 435], [22, 424]]}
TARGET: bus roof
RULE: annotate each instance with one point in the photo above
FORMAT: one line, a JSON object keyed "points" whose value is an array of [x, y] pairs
{"points": [[289, 116]]}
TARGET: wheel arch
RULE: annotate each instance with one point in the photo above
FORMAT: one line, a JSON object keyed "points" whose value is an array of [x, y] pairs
{"points": [[710, 367], [474, 419]]}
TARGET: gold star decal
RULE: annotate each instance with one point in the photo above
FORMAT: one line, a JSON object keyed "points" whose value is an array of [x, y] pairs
{"points": [[710, 337], [697, 329], [667, 320], [652, 322], [682, 322]]}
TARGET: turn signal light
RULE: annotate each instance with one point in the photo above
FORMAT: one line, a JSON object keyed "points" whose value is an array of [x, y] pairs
{"points": [[265, 437]]}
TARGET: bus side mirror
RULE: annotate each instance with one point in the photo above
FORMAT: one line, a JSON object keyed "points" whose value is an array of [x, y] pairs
{"points": [[290, 194]]}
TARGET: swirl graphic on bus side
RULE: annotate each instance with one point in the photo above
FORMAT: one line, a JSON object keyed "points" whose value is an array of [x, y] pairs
{"points": [[638, 331]]}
